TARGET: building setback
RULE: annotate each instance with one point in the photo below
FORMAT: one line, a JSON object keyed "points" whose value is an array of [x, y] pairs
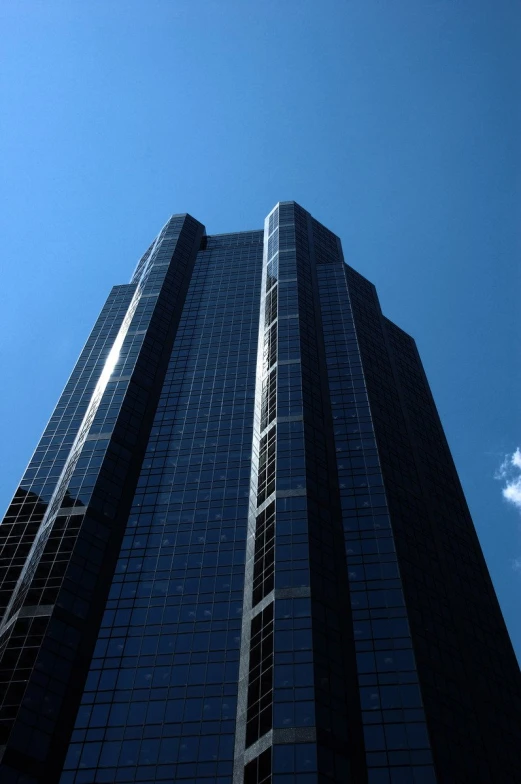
{"points": [[241, 551]]}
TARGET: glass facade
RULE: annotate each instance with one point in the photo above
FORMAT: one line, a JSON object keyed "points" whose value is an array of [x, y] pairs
{"points": [[161, 694], [240, 552]]}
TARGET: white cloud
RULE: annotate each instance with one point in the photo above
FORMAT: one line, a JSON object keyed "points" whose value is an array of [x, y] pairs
{"points": [[512, 492], [509, 472]]}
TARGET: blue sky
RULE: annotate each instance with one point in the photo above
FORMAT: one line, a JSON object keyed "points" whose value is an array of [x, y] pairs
{"points": [[396, 123]]}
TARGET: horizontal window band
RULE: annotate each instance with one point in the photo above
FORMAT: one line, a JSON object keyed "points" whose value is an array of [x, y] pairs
{"points": [[266, 430], [280, 737], [290, 493], [36, 611], [258, 747], [302, 592], [294, 735], [261, 605], [264, 504], [68, 511]]}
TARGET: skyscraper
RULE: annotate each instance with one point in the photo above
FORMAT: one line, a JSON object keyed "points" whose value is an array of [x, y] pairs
{"points": [[240, 551]]}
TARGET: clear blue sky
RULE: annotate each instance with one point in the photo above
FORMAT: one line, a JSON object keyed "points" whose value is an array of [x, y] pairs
{"points": [[397, 123]]}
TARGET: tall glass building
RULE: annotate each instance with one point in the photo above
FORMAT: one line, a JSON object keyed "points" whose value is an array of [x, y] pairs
{"points": [[241, 552]]}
